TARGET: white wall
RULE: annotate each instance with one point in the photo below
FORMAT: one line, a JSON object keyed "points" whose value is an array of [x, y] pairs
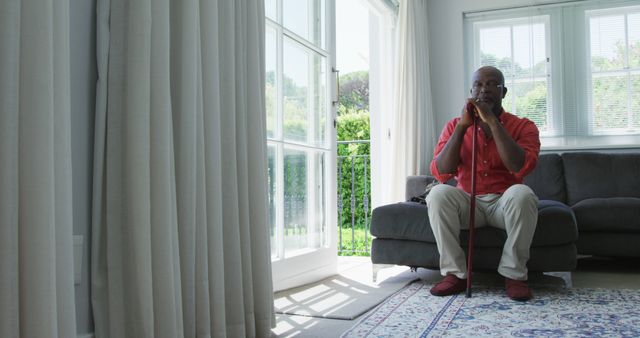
{"points": [[82, 26], [446, 46]]}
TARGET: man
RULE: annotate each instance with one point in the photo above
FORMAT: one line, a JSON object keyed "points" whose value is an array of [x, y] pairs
{"points": [[507, 149]]}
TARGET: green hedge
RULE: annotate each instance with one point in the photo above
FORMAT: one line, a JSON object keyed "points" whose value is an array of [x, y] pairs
{"points": [[352, 160]]}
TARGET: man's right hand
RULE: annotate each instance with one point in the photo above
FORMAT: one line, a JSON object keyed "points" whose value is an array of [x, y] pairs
{"points": [[449, 157], [466, 119]]}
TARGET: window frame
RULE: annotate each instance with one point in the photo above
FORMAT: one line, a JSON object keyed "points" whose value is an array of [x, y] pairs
{"points": [[296, 266], [626, 70], [544, 18], [570, 70]]}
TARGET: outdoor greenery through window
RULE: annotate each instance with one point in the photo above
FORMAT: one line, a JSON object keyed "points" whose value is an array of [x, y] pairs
{"points": [[572, 68], [354, 165], [353, 128], [614, 39], [519, 48]]}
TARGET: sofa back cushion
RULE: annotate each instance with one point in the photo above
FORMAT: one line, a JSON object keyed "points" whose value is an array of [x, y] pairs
{"points": [[547, 179], [597, 175]]}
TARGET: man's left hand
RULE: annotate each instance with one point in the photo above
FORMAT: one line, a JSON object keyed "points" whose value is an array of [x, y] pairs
{"points": [[485, 112]]}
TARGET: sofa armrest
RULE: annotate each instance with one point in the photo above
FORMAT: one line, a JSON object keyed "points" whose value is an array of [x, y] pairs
{"points": [[416, 185]]}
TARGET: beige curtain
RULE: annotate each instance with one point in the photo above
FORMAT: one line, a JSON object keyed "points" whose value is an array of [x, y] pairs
{"points": [[413, 134], [36, 246], [180, 226]]}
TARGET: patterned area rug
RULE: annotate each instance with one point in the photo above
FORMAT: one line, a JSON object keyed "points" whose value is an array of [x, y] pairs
{"points": [[553, 312]]}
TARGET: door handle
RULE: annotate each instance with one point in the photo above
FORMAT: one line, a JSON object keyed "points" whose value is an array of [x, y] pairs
{"points": [[337, 74]]}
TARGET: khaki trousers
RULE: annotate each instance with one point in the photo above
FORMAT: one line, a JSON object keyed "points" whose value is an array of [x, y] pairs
{"points": [[515, 211]]}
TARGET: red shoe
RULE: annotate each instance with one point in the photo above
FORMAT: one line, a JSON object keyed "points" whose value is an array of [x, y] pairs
{"points": [[517, 289], [449, 285]]}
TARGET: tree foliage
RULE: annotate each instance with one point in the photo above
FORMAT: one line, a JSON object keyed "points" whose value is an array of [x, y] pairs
{"points": [[354, 164], [354, 169], [613, 97], [354, 93]]}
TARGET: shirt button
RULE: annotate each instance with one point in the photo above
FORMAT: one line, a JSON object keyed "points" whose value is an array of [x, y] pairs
{"points": [[485, 174], [485, 161]]}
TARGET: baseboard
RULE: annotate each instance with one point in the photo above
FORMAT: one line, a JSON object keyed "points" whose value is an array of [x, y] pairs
{"points": [[85, 335]]}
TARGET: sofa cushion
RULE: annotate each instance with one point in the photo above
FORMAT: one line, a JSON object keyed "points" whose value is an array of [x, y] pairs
{"points": [[410, 221], [615, 214], [547, 179], [597, 175], [404, 220], [556, 224]]}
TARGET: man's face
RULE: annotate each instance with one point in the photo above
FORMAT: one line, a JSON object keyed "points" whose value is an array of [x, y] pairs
{"points": [[487, 87]]}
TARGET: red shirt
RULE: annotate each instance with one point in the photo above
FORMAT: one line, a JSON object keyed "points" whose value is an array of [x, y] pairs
{"points": [[492, 176]]}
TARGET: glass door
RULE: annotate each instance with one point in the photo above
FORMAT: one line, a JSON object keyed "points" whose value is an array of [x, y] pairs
{"points": [[300, 85]]}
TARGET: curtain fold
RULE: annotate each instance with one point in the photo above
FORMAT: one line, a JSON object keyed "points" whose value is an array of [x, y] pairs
{"points": [[413, 132], [36, 247], [180, 226]]}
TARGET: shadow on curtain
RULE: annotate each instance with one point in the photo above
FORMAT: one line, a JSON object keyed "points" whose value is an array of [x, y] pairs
{"points": [[36, 246]]}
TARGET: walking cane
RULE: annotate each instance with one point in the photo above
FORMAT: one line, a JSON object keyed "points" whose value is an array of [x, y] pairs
{"points": [[472, 205]]}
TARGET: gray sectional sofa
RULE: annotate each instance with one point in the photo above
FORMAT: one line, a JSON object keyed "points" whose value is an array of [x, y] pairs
{"points": [[589, 203]]}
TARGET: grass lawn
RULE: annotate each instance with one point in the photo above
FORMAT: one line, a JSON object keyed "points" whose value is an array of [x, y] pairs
{"points": [[353, 244]]}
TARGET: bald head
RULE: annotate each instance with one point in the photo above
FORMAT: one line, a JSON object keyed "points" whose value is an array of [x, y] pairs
{"points": [[489, 71], [487, 85]]}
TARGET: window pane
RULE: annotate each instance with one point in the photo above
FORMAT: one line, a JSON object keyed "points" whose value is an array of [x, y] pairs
{"points": [[609, 103], [529, 50], [607, 42], [634, 40], [495, 48], [271, 84], [270, 9], [305, 18], [296, 226], [304, 187], [531, 102], [320, 100], [635, 102], [615, 47], [271, 183], [526, 73], [305, 91], [296, 79]]}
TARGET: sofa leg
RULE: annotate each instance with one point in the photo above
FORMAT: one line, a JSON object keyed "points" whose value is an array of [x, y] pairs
{"points": [[565, 275], [378, 267]]}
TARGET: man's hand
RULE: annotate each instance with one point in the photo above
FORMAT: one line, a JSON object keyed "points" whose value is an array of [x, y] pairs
{"points": [[511, 154], [484, 111], [466, 119], [449, 158]]}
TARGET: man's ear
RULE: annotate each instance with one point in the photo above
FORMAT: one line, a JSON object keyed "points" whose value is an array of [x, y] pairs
{"points": [[504, 91]]}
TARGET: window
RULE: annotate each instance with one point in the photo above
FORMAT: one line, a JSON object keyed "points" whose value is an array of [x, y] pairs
{"points": [[614, 46], [519, 47], [572, 68], [300, 140]]}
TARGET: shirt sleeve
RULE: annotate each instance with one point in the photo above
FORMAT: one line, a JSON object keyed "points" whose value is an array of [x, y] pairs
{"points": [[442, 141], [529, 141]]}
